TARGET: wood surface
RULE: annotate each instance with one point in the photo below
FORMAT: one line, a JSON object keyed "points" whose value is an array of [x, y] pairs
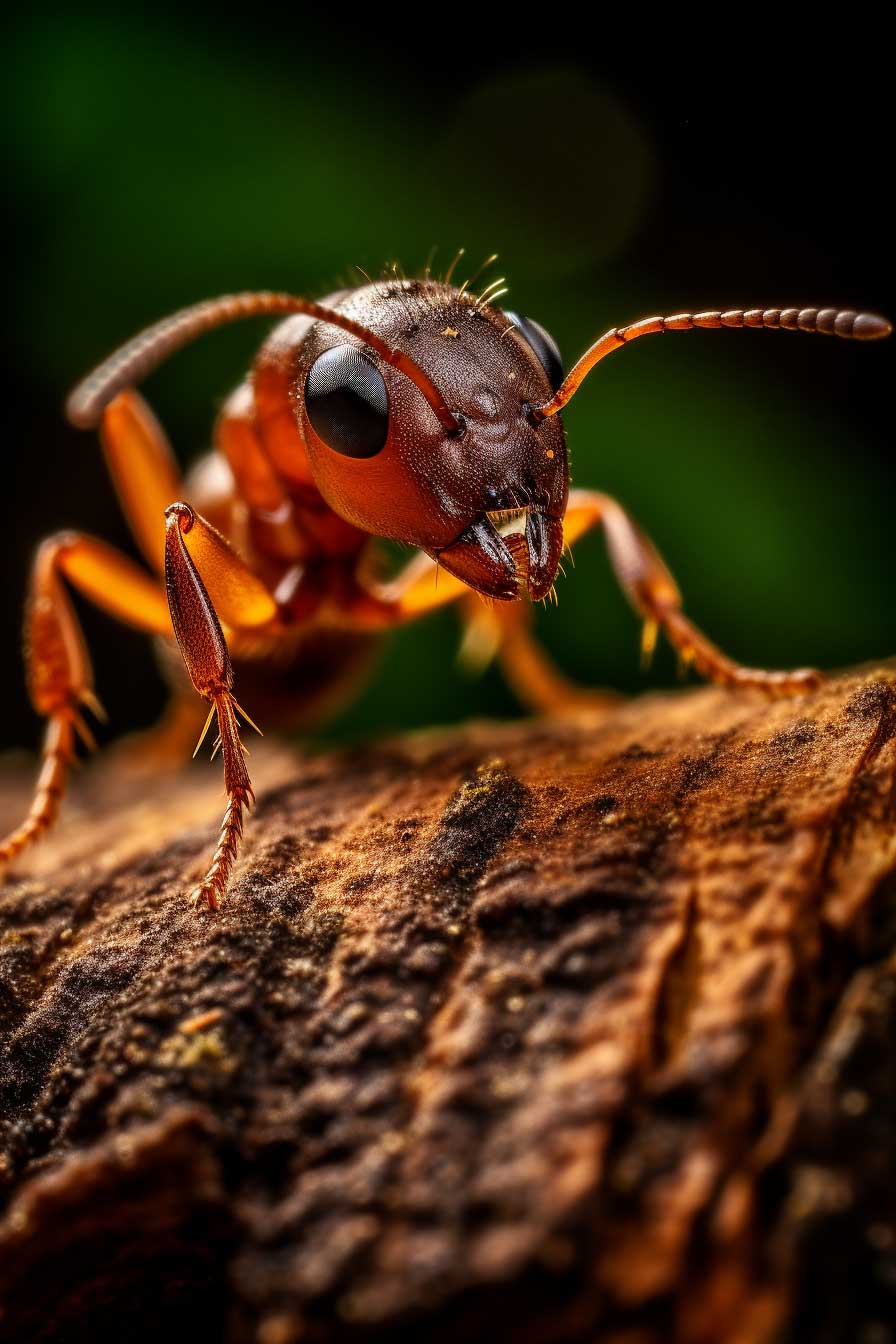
{"points": [[557, 1031]]}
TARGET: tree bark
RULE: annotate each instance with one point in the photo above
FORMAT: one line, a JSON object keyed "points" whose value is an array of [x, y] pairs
{"points": [[556, 1031]]}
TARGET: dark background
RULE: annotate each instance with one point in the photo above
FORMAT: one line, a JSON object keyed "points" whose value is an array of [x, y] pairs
{"points": [[159, 158]]}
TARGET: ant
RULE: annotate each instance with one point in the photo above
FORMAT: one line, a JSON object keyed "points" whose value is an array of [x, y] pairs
{"points": [[404, 409]]}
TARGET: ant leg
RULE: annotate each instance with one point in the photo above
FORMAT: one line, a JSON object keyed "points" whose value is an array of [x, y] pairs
{"points": [[654, 594], [60, 678], [143, 470], [503, 630], [421, 587], [146, 478], [191, 545]]}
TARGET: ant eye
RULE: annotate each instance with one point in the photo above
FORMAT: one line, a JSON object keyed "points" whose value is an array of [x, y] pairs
{"points": [[347, 402], [543, 344]]}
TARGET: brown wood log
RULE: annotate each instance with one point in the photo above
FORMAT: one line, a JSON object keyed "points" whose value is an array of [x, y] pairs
{"points": [[548, 1032]]}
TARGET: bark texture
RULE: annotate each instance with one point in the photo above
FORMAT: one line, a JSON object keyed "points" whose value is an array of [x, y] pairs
{"points": [[548, 1032]]}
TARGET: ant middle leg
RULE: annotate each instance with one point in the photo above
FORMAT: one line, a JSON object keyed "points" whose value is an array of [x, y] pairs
{"points": [[503, 630], [493, 629]]}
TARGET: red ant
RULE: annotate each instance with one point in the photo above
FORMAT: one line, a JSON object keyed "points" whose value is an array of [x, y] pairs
{"points": [[406, 409]]}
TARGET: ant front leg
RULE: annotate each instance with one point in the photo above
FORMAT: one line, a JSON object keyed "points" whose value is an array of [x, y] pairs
{"points": [[654, 594], [60, 678], [142, 468], [245, 602]]}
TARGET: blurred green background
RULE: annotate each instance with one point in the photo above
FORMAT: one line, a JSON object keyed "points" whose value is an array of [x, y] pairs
{"points": [[163, 157]]}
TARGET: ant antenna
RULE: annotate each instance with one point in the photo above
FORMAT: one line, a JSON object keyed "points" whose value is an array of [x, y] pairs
{"points": [[829, 321], [132, 362]]}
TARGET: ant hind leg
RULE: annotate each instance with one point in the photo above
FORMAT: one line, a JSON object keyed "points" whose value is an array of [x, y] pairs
{"points": [[60, 677]]}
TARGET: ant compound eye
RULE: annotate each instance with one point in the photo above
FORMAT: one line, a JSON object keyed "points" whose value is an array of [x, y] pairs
{"points": [[347, 402], [544, 345]]}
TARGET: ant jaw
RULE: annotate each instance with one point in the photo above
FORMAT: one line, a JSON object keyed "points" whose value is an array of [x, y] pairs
{"points": [[509, 564], [544, 545], [481, 558]]}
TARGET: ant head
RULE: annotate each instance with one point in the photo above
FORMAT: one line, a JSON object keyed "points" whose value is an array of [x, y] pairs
{"points": [[479, 484]]}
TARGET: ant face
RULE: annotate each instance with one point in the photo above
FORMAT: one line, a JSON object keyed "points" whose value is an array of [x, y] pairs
{"points": [[487, 498]]}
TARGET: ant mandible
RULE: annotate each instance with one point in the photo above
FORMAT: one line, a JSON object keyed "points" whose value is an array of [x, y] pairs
{"points": [[404, 409]]}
